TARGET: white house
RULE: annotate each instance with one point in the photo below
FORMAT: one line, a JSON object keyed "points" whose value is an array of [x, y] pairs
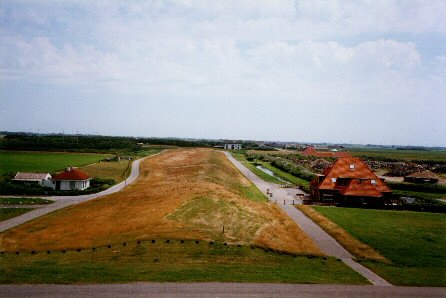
{"points": [[43, 179], [233, 146], [71, 179]]}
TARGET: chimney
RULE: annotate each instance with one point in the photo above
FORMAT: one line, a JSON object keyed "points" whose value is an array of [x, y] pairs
{"points": [[68, 168]]}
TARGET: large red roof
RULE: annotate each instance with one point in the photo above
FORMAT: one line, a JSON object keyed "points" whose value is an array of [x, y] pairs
{"points": [[71, 174], [361, 179]]}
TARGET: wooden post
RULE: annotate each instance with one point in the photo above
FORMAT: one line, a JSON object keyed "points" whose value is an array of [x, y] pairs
{"points": [[223, 229]]}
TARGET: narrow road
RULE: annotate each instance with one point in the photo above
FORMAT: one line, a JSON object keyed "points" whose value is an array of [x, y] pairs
{"points": [[65, 201], [214, 289], [327, 244]]}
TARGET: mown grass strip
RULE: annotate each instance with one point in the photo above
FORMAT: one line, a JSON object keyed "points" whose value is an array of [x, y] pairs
{"points": [[350, 243], [185, 261], [7, 213], [24, 201], [413, 241]]}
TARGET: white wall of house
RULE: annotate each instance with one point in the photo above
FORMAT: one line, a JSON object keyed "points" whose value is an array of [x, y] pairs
{"points": [[233, 146], [73, 185]]}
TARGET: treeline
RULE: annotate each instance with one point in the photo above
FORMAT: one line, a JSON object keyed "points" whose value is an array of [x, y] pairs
{"points": [[88, 143]]}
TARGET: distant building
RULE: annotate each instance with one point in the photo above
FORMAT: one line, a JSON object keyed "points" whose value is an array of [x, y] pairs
{"points": [[422, 177], [233, 146], [349, 180], [311, 151], [71, 179], [43, 179]]}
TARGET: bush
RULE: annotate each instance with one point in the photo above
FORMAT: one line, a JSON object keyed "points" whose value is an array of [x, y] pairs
{"points": [[431, 188], [293, 169]]}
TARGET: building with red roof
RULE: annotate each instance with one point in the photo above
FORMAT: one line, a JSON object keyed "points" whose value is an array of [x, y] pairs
{"points": [[349, 180], [311, 151], [71, 179]]}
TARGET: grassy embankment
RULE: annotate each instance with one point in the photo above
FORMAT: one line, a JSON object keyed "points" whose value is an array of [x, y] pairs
{"points": [[182, 194], [413, 242]]}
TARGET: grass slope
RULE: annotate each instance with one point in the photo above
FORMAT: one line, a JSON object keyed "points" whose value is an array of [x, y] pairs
{"points": [[172, 262], [17, 161], [413, 241]]}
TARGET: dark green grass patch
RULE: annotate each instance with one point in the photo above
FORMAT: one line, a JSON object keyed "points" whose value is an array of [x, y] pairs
{"points": [[413, 241], [389, 153], [16, 161], [24, 201], [252, 167], [7, 213], [172, 262]]}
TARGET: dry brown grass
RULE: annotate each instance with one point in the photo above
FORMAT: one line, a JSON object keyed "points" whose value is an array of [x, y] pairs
{"points": [[181, 194], [350, 243]]}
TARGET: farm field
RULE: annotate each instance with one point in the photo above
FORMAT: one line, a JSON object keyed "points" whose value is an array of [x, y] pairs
{"points": [[182, 194], [172, 262], [413, 242], [15, 161], [439, 155]]}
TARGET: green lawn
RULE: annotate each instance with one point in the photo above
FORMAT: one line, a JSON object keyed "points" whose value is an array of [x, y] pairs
{"points": [[24, 201], [18, 161], [284, 175], [439, 155], [7, 213], [170, 262], [415, 242]]}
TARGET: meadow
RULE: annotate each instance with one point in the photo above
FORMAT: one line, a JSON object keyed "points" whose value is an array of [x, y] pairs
{"points": [[437, 155], [12, 162], [172, 261], [413, 242]]}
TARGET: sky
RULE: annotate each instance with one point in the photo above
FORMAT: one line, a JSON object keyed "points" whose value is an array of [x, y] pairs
{"points": [[369, 72]]}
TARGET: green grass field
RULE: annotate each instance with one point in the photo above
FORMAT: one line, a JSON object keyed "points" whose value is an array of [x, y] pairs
{"points": [[251, 166], [414, 242], [17, 161], [439, 155], [7, 213], [172, 262], [24, 201]]}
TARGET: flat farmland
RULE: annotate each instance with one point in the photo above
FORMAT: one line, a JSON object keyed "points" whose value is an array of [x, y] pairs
{"points": [[438, 155], [181, 194], [21, 161]]}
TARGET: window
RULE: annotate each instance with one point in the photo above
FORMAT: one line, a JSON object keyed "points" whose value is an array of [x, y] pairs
{"points": [[333, 180], [352, 166], [373, 181], [72, 184]]}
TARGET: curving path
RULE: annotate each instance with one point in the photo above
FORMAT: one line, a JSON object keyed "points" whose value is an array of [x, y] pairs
{"points": [[327, 244], [65, 201]]}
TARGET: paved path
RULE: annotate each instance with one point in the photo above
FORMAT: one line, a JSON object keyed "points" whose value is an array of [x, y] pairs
{"points": [[327, 244], [215, 290], [64, 201]]}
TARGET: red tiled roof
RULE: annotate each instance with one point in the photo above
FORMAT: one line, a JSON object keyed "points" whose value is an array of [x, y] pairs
{"points": [[311, 151], [361, 188], [71, 174], [352, 168]]}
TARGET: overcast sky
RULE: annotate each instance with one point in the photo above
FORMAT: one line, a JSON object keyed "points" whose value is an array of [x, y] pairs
{"points": [[307, 71]]}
